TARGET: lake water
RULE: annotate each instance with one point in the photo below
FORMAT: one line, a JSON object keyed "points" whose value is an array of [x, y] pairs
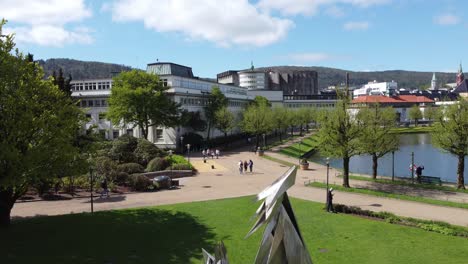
{"points": [[436, 163]]}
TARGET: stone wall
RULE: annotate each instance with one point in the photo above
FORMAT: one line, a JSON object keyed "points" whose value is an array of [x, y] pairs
{"points": [[174, 174]]}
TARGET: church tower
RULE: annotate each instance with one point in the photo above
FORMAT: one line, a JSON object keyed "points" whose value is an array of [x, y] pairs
{"points": [[460, 76], [434, 84]]}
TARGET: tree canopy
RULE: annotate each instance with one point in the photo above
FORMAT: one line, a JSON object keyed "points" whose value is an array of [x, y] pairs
{"points": [[257, 120], [225, 120], [37, 126], [139, 99], [415, 114], [216, 101]]}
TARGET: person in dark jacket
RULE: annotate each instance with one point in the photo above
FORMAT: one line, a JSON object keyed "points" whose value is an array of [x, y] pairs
{"points": [[105, 188], [250, 165], [330, 201]]}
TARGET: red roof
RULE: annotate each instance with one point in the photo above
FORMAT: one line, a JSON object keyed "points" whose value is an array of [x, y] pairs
{"points": [[392, 100]]}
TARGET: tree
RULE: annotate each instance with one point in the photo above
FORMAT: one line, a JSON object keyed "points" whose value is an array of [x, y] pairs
{"points": [[224, 120], [260, 100], [280, 119], [216, 101], [338, 135], [451, 134], [37, 126], [430, 113], [139, 99], [376, 138], [257, 120], [63, 84], [415, 113], [193, 120]]}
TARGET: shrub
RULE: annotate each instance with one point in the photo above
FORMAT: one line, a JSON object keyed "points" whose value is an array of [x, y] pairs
{"points": [[130, 168], [122, 178], [157, 164], [177, 159], [139, 182], [146, 151], [181, 167], [123, 149], [105, 166]]}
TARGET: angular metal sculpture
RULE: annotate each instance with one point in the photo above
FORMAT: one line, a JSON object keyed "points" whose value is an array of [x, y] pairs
{"points": [[282, 241], [220, 256]]}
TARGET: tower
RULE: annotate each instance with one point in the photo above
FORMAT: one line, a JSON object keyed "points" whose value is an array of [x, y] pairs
{"points": [[460, 76], [434, 84]]}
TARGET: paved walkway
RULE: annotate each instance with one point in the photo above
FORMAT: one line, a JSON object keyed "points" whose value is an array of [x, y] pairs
{"points": [[224, 181]]}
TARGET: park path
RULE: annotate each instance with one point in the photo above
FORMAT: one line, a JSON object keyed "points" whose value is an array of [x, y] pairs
{"points": [[224, 181]]}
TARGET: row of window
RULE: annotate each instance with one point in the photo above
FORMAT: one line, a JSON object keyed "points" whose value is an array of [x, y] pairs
{"points": [[310, 105], [91, 86], [93, 103], [204, 102]]}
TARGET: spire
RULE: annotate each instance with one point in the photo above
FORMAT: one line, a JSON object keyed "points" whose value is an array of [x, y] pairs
{"points": [[460, 70], [251, 66], [460, 75], [434, 78]]}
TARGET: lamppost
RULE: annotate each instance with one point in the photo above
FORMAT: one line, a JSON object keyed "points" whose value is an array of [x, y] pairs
{"points": [[328, 170], [188, 152], [393, 165], [91, 179], [181, 144], [300, 151], [412, 167], [170, 157]]}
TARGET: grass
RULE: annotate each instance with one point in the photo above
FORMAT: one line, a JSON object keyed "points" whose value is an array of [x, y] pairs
{"points": [[298, 149], [409, 130], [392, 195], [406, 183], [176, 234], [280, 161]]}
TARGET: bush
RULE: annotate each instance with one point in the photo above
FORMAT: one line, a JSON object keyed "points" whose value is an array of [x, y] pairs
{"points": [[146, 151], [123, 149], [122, 178], [105, 166], [181, 167], [140, 182], [157, 164], [130, 168]]}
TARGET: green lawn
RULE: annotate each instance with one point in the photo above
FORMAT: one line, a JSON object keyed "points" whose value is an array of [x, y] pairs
{"points": [[298, 149], [409, 130], [176, 234]]}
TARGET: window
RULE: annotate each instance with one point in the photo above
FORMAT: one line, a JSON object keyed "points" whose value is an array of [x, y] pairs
{"points": [[115, 134], [102, 116], [88, 116], [103, 102], [83, 103], [90, 103], [130, 132], [159, 135], [98, 103]]}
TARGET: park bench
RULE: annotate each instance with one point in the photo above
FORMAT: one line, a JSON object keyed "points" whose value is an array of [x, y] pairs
{"points": [[431, 179]]}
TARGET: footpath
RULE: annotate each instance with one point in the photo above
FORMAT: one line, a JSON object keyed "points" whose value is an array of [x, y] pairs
{"points": [[220, 178]]}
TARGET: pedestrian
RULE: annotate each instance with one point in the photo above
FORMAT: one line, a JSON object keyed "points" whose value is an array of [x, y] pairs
{"points": [[105, 190], [217, 153], [241, 167], [246, 164], [419, 170], [250, 165], [330, 208], [212, 154]]}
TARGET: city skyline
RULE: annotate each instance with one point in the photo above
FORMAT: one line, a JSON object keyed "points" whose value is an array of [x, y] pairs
{"points": [[214, 36]]}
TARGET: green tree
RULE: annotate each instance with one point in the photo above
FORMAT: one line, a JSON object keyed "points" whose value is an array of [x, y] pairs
{"points": [[193, 120], [376, 138], [37, 126], [430, 112], [257, 120], [224, 120], [260, 100], [339, 135], [139, 99], [280, 117], [451, 134], [415, 114], [63, 84], [216, 101]]}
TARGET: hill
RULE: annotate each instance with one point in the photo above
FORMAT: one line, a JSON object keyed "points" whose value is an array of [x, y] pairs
{"points": [[405, 79], [81, 69]]}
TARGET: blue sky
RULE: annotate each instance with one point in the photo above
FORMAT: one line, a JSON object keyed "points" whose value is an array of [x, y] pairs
{"points": [[212, 36]]}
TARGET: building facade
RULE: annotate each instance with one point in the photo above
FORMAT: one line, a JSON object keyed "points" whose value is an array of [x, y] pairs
{"points": [[377, 88]]}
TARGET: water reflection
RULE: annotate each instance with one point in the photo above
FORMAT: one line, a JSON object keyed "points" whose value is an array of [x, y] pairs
{"points": [[435, 162]]}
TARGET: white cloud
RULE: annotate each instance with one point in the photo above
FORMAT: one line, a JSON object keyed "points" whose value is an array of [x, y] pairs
{"points": [[225, 23], [335, 11], [447, 19], [356, 25], [309, 57], [43, 21], [311, 7]]}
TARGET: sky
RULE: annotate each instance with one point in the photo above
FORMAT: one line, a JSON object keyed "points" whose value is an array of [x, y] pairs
{"points": [[213, 36]]}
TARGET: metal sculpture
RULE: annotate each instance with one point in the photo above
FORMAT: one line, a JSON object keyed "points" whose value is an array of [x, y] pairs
{"points": [[282, 241], [220, 256]]}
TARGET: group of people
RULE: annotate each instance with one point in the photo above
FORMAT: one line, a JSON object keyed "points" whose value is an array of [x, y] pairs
{"points": [[206, 153], [243, 165]]}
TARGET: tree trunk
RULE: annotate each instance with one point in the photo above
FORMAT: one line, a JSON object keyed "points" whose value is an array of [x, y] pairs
{"points": [[292, 131], [6, 204], [300, 131], [374, 166], [346, 172], [208, 132], [281, 140], [460, 170], [256, 142]]}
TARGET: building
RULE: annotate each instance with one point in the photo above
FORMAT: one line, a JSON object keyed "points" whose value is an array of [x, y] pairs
{"points": [[228, 77], [377, 88], [253, 80], [186, 89], [401, 103], [462, 84]]}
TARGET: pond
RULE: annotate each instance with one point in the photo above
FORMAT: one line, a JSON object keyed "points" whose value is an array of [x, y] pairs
{"points": [[436, 163]]}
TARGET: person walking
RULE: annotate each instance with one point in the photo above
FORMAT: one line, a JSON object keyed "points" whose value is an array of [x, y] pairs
{"points": [[217, 153], [212, 154], [241, 167], [330, 208], [419, 170], [250, 165], [203, 153], [105, 190], [245, 165]]}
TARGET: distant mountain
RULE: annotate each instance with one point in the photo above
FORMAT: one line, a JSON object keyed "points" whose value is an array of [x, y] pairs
{"points": [[82, 69], [405, 79]]}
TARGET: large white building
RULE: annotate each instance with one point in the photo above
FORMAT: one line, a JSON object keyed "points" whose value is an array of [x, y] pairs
{"points": [[376, 88]]}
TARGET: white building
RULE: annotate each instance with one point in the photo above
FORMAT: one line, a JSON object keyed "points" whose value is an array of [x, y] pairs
{"points": [[376, 88], [253, 80]]}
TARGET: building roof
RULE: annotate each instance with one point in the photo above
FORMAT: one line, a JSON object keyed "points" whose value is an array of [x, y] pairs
{"points": [[401, 99], [462, 87]]}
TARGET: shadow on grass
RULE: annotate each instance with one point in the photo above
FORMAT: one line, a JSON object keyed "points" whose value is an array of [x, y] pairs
{"points": [[125, 236]]}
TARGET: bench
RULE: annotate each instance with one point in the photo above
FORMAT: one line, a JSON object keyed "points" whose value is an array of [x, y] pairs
{"points": [[431, 179]]}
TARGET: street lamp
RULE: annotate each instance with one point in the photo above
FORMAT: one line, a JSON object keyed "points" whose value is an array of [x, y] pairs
{"points": [[393, 165], [188, 152], [300, 151], [328, 169], [170, 157], [91, 179], [181, 144]]}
